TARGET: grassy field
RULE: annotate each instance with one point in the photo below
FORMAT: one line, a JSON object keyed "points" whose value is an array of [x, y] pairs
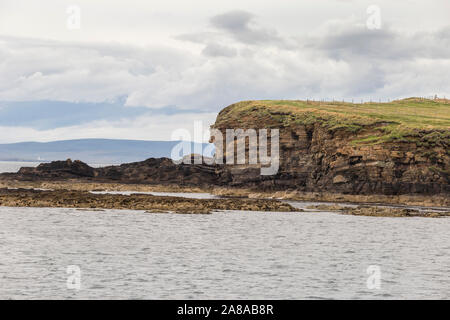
{"points": [[423, 121]]}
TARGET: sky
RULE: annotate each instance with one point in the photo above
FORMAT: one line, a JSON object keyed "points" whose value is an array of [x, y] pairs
{"points": [[143, 69]]}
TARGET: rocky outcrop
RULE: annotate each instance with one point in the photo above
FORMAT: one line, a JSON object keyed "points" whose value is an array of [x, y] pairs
{"points": [[377, 211], [318, 157], [315, 159], [162, 171], [57, 170]]}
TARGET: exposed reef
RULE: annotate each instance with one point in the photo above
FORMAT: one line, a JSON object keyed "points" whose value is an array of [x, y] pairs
{"points": [[379, 211], [150, 203]]}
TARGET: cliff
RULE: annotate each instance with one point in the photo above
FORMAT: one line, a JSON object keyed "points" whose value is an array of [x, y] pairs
{"points": [[397, 148], [401, 147]]}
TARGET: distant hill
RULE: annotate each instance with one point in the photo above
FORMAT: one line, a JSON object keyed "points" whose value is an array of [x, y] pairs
{"points": [[101, 151]]}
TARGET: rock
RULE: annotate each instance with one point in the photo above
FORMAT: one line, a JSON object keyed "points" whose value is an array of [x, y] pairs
{"points": [[149, 203], [151, 171], [317, 158], [339, 179], [58, 169], [326, 207], [393, 212]]}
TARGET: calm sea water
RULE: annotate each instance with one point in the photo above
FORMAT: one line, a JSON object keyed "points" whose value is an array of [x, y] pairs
{"points": [[227, 255], [192, 195], [125, 254]]}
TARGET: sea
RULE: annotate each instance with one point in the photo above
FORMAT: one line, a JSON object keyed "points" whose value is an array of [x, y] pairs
{"points": [[54, 253]]}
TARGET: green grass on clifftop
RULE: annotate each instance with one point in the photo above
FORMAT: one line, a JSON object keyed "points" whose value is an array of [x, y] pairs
{"points": [[423, 121]]}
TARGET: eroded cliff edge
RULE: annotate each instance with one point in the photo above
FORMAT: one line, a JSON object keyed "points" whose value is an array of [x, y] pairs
{"points": [[393, 148]]}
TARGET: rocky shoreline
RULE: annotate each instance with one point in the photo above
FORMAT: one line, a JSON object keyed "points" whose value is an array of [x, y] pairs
{"points": [[377, 211], [149, 203], [229, 192], [84, 196]]}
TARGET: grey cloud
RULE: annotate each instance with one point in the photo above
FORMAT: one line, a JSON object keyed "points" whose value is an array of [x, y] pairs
{"points": [[34, 69], [234, 21], [444, 34], [212, 41], [217, 50], [235, 64], [240, 25], [368, 80], [387, 44], [235, 57], [236, 32]]}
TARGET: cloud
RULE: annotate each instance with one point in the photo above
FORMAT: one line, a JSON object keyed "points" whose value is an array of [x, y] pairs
{"points": [[241, 25], [233, 21], [154, 127], [47, 114], [235, 57], [217, 50], [238, 59], [348, 40]]}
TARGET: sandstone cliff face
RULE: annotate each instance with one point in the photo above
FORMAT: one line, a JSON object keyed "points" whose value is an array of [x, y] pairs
{"points": [[315, 157]]}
